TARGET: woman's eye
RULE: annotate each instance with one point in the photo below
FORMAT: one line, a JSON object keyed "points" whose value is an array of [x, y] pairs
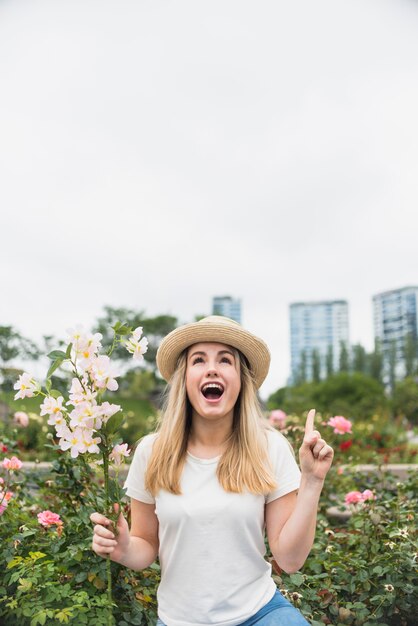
{"points": [[226, 359], [197, 359]]}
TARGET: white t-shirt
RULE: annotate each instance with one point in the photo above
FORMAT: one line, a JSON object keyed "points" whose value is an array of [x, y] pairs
{"points": [[213, 570]]}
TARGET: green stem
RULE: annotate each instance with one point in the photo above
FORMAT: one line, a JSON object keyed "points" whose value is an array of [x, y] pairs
{"points": [[108, 565], [76, 374], [5, 487], [114, 342]]}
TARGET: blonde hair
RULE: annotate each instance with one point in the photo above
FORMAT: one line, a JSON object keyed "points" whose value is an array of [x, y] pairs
{"points": [[244, 466]]}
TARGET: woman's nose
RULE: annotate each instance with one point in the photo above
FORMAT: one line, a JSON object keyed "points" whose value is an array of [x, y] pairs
{"points": [[212, 369]]}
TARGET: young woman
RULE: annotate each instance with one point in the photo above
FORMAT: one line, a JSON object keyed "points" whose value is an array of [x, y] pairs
{"points": [[211, 481]]}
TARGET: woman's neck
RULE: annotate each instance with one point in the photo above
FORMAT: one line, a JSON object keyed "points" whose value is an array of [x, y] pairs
{"points": [[210, 436]]}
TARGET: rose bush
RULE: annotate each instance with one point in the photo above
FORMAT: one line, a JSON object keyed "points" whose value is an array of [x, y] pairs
{"points": [[359, 572], [362, 572]]}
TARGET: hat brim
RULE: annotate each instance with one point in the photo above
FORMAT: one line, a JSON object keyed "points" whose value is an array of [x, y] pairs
{"points": [[219, 330]]}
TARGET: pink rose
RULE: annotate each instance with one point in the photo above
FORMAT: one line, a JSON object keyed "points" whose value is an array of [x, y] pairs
{"points": [[278, 418], [12, 464], [367, 495], [353, 497], [21, 419], [340, 424], [47, 519]]}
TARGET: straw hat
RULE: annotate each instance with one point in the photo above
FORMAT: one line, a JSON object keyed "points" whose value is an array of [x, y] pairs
{"points": [[215, 329]]}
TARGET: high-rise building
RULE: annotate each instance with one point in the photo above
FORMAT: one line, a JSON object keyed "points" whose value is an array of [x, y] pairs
{"points": [[318, 330], [227, 306], [396, 328]]}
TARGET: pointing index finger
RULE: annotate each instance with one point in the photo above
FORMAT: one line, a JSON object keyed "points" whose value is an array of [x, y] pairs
{"points": [[309, 426]]}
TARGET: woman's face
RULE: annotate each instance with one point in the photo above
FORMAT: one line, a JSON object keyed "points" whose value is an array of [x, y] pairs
{"points": [[213, 379]]}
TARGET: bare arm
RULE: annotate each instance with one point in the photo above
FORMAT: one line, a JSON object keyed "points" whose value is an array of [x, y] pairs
{"points": [[291, 520], [290, 523], [135, 549]]}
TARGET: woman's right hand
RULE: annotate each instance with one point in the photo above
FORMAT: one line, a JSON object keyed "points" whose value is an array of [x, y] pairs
{"points": [[105, 541]]}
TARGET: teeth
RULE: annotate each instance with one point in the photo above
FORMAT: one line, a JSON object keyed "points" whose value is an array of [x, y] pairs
{"points": [[212, 386]]}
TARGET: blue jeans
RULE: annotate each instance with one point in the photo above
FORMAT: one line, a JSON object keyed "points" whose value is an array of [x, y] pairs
{"points": [[277, 612]]}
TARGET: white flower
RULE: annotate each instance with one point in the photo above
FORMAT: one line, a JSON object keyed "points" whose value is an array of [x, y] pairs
{"points": [[106, 410], [62, 430], [85, 345], [103, 374], [119, 452], [73, 440], [329, 549], [26, 386], [389, 588], [137, 346], [90, 442], [86, 415], [52, 406], [89, 349], [80, 392], [76, 335]]}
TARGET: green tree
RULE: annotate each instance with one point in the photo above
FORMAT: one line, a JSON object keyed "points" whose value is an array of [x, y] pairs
{"points": [[329, 361], [353, 395], [295, 399], [12, 346], [392, 360], [155, 328], [302, 372], [316, 366], [375, 360], [344, 359], [410, 354], [359, 361], [405, 399], [277, 399]]}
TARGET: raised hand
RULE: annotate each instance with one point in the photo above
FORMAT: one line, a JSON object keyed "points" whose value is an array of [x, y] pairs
{"points": [[105, 541], [315, 455]]}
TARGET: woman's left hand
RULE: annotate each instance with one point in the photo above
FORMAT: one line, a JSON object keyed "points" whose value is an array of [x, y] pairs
{"points": [[315, 455]]}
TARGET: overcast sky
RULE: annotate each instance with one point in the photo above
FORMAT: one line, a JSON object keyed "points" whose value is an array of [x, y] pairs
{"points": [[154, 154]]}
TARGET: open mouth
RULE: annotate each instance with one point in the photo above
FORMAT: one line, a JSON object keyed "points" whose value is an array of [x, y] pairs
{"points": [[212, 391]]}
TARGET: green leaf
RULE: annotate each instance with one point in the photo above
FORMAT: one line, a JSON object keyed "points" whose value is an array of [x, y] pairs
{"points": [[40, 618], [55, 393], [297, 579], [16, 561], [57, 354], [54, 366], [48, 385], [68, 351], [122, 329], [34, 556], [114, 423]]}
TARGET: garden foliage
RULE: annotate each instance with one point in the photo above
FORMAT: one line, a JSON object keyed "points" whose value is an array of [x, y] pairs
{"points": [[361, 571]]}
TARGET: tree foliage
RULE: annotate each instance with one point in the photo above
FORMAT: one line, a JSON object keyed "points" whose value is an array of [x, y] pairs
{"points": [[353, 395], [405, 399], [13, 345], [155, 328]]}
